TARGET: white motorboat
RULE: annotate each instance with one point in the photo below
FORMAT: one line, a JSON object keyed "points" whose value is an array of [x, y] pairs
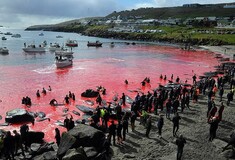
{"points": [[54, 47], [63, 61], [34, 48], [16, 35], [64, 52], [4, 50]]}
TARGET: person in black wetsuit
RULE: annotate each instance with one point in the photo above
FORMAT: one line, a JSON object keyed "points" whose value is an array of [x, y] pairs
{"points": [[123, 99], [66, 123], [57, 136], [66, 99]]}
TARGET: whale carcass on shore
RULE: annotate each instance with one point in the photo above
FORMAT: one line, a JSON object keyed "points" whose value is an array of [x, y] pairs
{"points": [[18, 115]]}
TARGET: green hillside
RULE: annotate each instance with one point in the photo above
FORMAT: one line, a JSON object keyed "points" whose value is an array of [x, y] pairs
{"points": [[177, 12]]}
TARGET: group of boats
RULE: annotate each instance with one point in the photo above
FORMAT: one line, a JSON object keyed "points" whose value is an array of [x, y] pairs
{"points": [[63, 55]]}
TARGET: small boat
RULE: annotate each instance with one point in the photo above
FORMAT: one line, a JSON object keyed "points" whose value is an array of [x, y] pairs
{"points": [[34, 48], [54, 47], [63, 61], [94, 44], [112, 44], [64, 52], [71, 43], [16, 35], [4, 38], [41, 34], [8, 33], [4, 50], [59, 36]]}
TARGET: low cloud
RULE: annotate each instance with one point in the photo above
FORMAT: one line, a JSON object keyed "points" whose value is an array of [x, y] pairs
{"points": [[38, 12]]}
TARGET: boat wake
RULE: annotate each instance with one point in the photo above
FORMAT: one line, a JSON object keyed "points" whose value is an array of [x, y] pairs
{"points": [[46, 70], [115, 60]]}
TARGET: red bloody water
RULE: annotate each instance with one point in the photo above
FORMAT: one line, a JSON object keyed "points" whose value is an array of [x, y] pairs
{"points": [[135, 64]]}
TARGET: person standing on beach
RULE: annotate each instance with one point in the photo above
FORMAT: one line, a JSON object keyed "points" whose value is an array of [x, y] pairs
{"points": [[24, 129], [168, 108], [160, 124], [175, 121], [148, 126], [125, 128], [194, 78], [180, 146], [221, 92], [18, 143], [119, 132], [123, 99], [8, 143], [214, 123], [212, 112], [220, 111], [229, 97], [133, 118], [112, 132]]}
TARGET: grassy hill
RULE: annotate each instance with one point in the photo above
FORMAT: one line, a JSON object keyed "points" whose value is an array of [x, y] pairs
{"points": [[178, 12]]}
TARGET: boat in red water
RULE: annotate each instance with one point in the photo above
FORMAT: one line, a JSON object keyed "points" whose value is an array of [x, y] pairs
{"points": [[94, 44], [71, 43], [63, 58]]}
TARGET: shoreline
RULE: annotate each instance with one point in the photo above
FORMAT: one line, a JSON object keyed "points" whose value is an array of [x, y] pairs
{"points": [[226, 50]]}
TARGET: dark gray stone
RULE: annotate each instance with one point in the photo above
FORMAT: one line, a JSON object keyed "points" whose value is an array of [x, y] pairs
{"points": [[88, 136], [75, 154], [90, 152], [66, 142]]}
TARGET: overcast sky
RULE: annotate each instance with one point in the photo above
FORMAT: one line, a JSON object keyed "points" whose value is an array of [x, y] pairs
{"points": [[24, 13]]}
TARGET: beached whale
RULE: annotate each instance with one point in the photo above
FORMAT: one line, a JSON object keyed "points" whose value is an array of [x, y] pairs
{"points": [[90, 102], [76, 112], [18, 115], [85, 109], [129, 99], [41, 114], [90, 93]]}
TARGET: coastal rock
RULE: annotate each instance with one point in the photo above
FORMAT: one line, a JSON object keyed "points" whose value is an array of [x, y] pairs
{"points": [[51, 155], [88, 136], [74, 154], [35, 137], [129, 156], [90, 152], [82, 135], [67, 141], [42, 149], [18, 115]]}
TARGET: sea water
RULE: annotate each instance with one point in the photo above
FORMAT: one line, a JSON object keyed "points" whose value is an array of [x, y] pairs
{"points": [[22, 74]]}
